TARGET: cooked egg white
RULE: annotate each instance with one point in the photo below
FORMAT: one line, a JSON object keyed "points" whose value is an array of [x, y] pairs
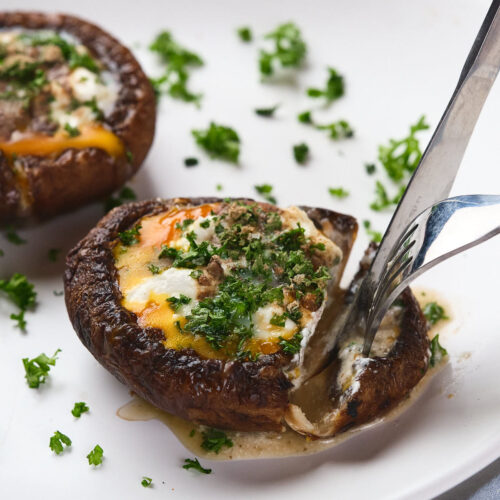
{"points": [[171, 282]]}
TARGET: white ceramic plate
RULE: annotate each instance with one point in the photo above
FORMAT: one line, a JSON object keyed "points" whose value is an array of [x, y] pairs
{"points": [[400, 59]]}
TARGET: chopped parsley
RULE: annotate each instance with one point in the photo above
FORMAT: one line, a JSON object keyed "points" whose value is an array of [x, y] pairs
{"points": [[338, 192], [57, 441], [434, 312], [219, 187], [177, 302], [125, 195], [154, 269], [273, 262], [53, 254], [79, 408], [267, 112], [289, 49], [147, 482], [340, 129], [179, 61], [72, 131], [370, 168], [130, 156], [376, 236], [219, 142], [185, 224], [382, 200], [402, 156], [301, 153], [214, 440], [191, 162], [438, 352], [291, 346], [13, 237], [95, 456], [70, 52], [196, 274], [130, 236], [265, 190], [22, 293], [334, 88], [245, 34], [37, 369], [195, 464], [305, 117]]}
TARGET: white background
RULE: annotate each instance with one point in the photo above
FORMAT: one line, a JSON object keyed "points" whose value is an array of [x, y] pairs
{"points": [[400, 59]]}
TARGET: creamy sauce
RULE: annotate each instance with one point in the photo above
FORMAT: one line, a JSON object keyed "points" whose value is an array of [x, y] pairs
{"points": [[251, 445], [426, 295]]}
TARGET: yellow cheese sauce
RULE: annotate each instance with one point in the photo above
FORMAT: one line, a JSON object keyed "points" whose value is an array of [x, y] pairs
{"points": [[94, 136]]}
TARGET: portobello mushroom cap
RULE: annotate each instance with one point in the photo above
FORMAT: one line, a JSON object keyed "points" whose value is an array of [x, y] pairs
{"points": [[226, 394], [37, 186]]}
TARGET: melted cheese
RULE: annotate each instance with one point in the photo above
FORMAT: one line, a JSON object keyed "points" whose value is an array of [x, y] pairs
{"points": [[42, 145]]}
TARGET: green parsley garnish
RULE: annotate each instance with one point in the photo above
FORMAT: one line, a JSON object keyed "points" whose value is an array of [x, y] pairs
{"points": [[245, 34], [72, 131], [219, 142], [154, 269], [191, 162], [370, 168], [2, 253], [265, 190], [219, 187], [438, 352], [185, 224], [402, 156], [289, 49], [434, 312], [125, 195], [338, 130], [146, 482], [267, 112], [79, 408], [179, 61], [177, 302], [196, 274], [95, 456], [192, 433], [13, 237], [130, 156], [376, 236], [301, 153], [195, 464], [305, 117], [333, 90], [338, 192], [130, 236], [71, 54], [37, 369], [291, 346], [21, 292], [214, 440], [57, 440], [53, 254], [383, 200]]}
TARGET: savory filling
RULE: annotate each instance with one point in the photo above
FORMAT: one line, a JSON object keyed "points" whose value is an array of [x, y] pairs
{"points": [[229, 280], [54, 95]]}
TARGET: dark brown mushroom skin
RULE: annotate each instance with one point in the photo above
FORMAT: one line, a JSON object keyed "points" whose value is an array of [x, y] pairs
{"points": [[236, 395], [55, 184], [386, 381]]}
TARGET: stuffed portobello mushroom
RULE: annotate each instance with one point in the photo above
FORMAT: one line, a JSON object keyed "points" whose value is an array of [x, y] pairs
{"points": [[77, 114], [206, 307]]}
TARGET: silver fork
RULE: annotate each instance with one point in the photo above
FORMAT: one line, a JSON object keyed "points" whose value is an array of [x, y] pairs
{"points": [[406, 250]]}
